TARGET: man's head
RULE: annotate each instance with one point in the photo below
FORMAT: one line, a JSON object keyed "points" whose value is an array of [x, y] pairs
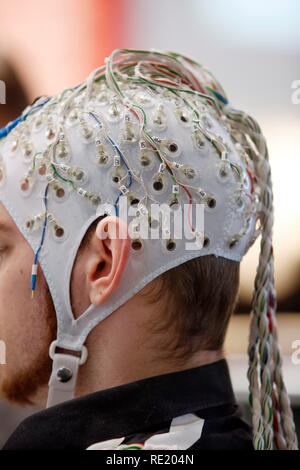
{"points": [[185, 319], [146, 149]]}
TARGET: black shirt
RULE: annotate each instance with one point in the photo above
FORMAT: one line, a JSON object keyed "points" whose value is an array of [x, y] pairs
{"points": [[133, 413]]}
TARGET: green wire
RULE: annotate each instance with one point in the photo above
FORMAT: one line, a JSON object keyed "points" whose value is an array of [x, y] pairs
{"points": [[34, 159], [61, 177]]}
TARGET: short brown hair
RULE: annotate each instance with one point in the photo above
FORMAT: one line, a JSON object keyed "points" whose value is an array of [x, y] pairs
{"points": [[198, 298]]}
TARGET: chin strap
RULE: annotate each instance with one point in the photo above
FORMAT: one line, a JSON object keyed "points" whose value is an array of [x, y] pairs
{"points": [[64, 375]]}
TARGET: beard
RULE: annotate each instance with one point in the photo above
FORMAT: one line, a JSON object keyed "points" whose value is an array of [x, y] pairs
{"points": [[20, 386]]}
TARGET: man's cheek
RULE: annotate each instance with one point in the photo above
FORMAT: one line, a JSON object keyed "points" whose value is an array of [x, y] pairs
{"points": [[18, 286], [5, 310]]}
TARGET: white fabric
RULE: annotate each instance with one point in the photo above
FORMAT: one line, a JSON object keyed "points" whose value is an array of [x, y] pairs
{"points": [[76, 214], [62, 391], [184, 431]]}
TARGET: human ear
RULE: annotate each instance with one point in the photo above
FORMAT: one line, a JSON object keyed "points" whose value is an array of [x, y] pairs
{"points": [[110, 249]]}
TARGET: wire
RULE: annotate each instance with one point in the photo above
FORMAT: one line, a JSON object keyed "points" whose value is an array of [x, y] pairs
{"points": [[4, 131], [36, 256], [120, 153]]}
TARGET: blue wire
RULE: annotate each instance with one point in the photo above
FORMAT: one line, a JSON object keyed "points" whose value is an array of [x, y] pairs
{"points": [[114, 144], [116, 204], [36, 256], [220, 97], [4, 131]]}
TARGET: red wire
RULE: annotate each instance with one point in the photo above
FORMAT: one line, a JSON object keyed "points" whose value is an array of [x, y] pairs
{"points": [[168, 72], [251, 180], [190, 206], [159, 80]]}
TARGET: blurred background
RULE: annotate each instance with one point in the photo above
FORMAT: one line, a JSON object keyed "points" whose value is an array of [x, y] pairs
{"points": [[253, 48]]}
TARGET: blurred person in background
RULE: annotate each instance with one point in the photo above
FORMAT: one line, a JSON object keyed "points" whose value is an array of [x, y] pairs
{"points": [[15, 95]]}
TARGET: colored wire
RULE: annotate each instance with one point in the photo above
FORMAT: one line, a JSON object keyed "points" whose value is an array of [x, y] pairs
{"points": [[120, 153], [4, 131], [36, 256]]}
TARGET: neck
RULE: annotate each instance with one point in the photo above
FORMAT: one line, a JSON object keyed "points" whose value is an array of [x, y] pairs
{"points": [[122, 350]]}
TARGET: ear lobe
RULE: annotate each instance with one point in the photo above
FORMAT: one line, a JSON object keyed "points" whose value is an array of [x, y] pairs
{"points": [[109, 258]]}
